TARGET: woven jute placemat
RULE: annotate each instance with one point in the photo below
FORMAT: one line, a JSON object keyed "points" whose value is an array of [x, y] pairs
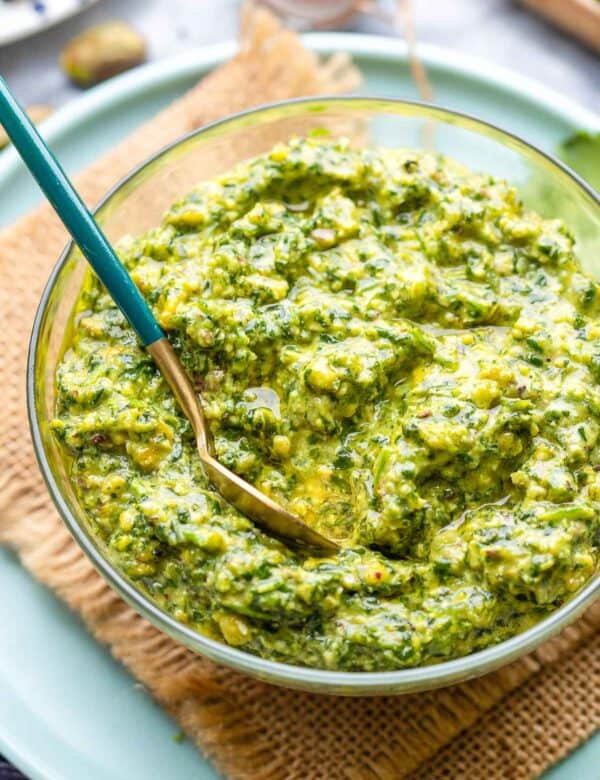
{"points": [[510, 724]]}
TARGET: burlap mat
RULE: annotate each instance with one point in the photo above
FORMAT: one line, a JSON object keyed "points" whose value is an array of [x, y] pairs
{"points": [[510, 724]]}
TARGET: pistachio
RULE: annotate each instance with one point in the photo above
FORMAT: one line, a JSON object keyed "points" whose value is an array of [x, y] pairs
{"points": [[36, 113], [102, 51]]}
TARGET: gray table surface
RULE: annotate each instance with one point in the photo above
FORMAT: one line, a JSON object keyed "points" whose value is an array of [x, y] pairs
{"points": [[498, 30]]}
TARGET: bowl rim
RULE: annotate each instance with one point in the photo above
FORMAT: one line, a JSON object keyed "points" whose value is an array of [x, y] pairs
{"points": [[363, 683]]}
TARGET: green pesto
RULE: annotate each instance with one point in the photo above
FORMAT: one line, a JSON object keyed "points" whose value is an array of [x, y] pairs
{"points": [[392, 347]]}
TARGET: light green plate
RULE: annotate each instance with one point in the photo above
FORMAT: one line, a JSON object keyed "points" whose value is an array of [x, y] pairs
{"points": [[67, 710]]}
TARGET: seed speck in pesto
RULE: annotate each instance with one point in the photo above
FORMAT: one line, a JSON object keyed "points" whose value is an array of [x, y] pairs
{"points": [[392, 347]]}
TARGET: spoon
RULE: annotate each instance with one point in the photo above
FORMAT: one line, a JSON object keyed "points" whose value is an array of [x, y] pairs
{"points": [[94, 245]]}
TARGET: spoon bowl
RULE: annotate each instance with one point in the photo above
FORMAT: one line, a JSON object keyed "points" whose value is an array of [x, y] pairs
{"points": [[241, 494]]}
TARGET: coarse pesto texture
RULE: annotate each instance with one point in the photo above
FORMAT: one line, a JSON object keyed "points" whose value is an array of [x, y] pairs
{"points": [[392, 347]]}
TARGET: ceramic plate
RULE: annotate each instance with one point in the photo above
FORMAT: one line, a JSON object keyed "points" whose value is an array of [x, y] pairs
{"points": [[67, 709], [22, 18]]}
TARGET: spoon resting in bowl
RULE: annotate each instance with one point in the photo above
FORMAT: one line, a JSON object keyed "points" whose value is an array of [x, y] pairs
{"points": [[94, 245]]}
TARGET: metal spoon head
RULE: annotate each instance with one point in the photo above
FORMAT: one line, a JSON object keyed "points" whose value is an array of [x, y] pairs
{"points": [[265, 512]]}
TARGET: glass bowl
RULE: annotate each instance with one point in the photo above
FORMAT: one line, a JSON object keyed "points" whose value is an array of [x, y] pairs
{"points": [[138, 202]]}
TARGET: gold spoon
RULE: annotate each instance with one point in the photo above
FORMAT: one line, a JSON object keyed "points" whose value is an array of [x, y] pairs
{"points": [[103, 259], [244, 496]]}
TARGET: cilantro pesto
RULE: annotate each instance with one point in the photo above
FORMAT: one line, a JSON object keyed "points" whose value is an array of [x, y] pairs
{"points": [[392, 347]]}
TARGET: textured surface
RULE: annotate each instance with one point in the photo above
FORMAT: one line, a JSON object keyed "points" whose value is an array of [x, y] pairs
{"points": [[381, 738]]}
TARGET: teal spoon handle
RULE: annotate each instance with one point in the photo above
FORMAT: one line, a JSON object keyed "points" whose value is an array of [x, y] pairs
{"points": [[76, 217]]}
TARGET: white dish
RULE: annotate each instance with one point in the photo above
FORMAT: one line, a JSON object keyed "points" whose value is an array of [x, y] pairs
{"points": [[21, 18]]}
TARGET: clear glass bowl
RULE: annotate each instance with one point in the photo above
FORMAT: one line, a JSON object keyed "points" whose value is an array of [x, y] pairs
{"points": [[138, 202]]}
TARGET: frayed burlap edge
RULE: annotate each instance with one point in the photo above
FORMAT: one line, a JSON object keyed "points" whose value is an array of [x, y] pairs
{"points": [[250, 729]]}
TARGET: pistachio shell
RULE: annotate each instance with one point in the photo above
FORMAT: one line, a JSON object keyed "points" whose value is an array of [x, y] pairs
{"points": [[36, 113], [102, 51]]}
